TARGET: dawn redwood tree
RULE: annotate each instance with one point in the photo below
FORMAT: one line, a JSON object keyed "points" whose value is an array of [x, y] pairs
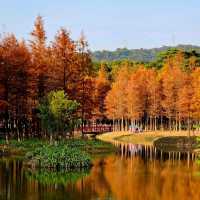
{"points": [[15, 60], [102, 86], [154, 89], [185, 101], [84, 89], [119, 90], [135, 103], [138, 97], [196, 95], [86, 99], [38, 71], [20, 89], [63, 70], [39, 58], [172, 79], [111, 107]]}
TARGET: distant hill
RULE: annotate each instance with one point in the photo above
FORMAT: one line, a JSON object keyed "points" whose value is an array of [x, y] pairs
{"points": [[144, 55]]}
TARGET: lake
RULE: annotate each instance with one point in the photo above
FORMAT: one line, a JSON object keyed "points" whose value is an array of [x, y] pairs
{"points": [[118, 176]]}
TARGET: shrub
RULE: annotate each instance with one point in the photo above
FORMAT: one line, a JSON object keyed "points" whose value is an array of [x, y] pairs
{"points": [[59, 157]]}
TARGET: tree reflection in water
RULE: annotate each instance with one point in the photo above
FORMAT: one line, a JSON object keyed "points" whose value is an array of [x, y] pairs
{"points": [[116, 176], [47, 177]]}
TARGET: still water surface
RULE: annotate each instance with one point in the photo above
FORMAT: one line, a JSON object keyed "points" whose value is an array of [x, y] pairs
{"points": [[113, 177]]}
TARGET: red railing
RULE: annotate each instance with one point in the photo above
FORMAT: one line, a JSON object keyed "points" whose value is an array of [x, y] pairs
{"points": [[95, 128]]}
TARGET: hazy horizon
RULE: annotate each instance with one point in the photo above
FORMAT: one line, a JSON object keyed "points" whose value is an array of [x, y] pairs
{"points": [[146, 48]]}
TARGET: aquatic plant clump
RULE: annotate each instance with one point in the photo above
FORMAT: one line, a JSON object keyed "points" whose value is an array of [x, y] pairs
{"points": [[59, 157]]}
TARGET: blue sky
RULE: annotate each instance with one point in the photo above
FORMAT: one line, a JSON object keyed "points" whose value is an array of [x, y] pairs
{"points": [[108, 24]]}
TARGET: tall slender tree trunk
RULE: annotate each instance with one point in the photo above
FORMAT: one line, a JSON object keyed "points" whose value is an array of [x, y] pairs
{"points": [[188, 121], [155, 122], [176, 123], [179, 122], [118, 126], [83, 109], [122, 124], [146, 124], [64, 79], [126, 126], [161, 122], [150, 124], [170, 123], [132, 122]]}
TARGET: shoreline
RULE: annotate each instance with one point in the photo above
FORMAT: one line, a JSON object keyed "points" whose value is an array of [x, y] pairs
{"points": [[146, 138]]}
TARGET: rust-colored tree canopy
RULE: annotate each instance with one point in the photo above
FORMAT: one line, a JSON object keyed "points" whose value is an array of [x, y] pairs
{"points": [[158, 95], [30, 70], [156, 99]]}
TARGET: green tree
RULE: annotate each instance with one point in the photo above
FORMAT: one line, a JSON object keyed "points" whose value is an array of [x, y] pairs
{"points": [[58, 113]]}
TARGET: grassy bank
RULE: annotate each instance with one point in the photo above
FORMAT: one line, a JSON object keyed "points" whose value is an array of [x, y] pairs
{"points": [[177, 143], [146, 138]]}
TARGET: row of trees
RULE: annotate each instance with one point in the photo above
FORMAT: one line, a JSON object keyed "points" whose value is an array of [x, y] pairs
{"points": [[163, 94], [168, 98], [29, 70]]}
